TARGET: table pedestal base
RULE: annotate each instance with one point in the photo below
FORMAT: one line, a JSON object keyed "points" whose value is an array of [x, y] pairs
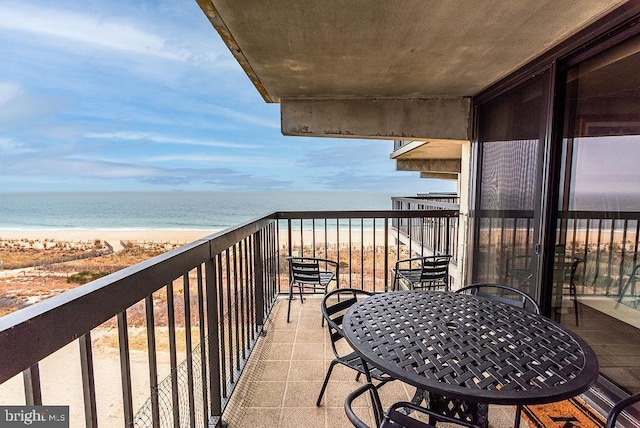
{"points": [[476, 413]]}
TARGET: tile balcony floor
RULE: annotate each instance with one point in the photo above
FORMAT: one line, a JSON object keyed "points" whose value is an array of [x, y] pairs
{"points": [[284, 375]]}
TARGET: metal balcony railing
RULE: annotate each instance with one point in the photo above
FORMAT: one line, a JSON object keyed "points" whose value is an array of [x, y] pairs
{"points": [[196, 312], [608, 243]]}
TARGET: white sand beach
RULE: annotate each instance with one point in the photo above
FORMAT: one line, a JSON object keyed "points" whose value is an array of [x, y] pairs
{"points": [[150, 235]]}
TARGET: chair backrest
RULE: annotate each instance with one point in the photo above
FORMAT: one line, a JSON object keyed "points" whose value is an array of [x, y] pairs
{"points": [[565, 267], [621, 406], [435, 268], [334, 305], [303, 269], [518, 269], [503, 294]]}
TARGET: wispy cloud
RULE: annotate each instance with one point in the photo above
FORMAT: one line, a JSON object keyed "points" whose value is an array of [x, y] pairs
{"points": [[86, 29], [144, 137], [13, 146], [341, 156], [17, 105], [244, 117], [203, 158]]}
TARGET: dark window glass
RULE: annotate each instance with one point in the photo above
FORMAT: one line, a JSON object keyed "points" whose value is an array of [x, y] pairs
{"points": [[599, 211], [510, 131]]}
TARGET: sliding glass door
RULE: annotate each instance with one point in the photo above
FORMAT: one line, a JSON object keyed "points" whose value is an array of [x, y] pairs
{"points": [[511, 139], [597, 264]]}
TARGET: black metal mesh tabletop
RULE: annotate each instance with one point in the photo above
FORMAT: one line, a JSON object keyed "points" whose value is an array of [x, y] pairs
{"points": [[470, 348]]}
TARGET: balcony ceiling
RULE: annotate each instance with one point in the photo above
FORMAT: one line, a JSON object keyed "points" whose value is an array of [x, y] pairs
{"points": [[420, 49]]}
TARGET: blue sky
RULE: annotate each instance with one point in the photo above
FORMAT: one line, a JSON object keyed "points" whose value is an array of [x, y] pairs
{"points": [[135, 95]]}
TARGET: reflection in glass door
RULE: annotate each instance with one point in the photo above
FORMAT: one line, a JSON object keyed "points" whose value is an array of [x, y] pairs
{"points": [[511, 131], [597, 262]]}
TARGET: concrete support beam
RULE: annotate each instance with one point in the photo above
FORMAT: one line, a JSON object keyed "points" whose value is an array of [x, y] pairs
{"points": [[450, 166], [415, 119], [440, 175]]}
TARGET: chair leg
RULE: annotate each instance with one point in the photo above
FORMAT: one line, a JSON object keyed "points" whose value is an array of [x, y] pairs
{"points": [[326, 381], [516, 423], [289, 305], [574, 292]]}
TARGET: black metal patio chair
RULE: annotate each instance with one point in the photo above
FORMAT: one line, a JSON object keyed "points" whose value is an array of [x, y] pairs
{"points": [[334, 305], [399, 415], [624, 407], [564, 272], [510, 296], [503, 294], [633, 298], [430, 272], [518, 270], [311, 273]]}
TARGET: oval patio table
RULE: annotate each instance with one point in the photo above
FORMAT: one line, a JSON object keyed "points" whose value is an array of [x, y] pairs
{"points": [[469, 348]]}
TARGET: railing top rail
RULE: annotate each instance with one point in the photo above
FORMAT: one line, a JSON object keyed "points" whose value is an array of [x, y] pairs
{"points": [[366, 214], [429, 202], [81, 309], [579, 215]]}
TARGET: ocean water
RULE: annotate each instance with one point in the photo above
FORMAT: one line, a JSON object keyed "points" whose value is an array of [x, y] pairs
{"points": [[168, 210]]}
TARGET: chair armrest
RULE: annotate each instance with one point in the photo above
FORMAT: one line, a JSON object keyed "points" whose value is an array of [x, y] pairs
{"points": [[409, 260], [619, 407], [348, 404]]}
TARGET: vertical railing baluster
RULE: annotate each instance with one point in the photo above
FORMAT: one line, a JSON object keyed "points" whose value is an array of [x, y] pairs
{"points": [[125, 369], [610, 261], [386, 254], [236, 304], [598, 252], [216, 379], [88, 381], [362, 252], [302, 253], [173, 360], [259, 277], [203, 348], [272, 255], [153, 362], [338, 245], [253, 309], [32, 388], [313, 236], [223, 328], [249, 285], [243, 303], [326, 238], [229, 311], [187, 338], [350, 256]]}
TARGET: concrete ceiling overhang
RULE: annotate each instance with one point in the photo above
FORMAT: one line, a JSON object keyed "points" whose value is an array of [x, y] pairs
{"points": [[414, 55]]}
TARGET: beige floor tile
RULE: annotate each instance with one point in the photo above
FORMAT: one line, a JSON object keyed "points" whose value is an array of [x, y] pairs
{"points": [[278, 351], [301, 394], [309, 417], [274, 370], [264, 394], [337, 418], [257, 418], [302, 371], [308, 351], [280, 335]]}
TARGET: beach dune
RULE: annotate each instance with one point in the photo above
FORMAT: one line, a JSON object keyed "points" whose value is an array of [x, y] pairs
{"points": [[149, 235]]}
